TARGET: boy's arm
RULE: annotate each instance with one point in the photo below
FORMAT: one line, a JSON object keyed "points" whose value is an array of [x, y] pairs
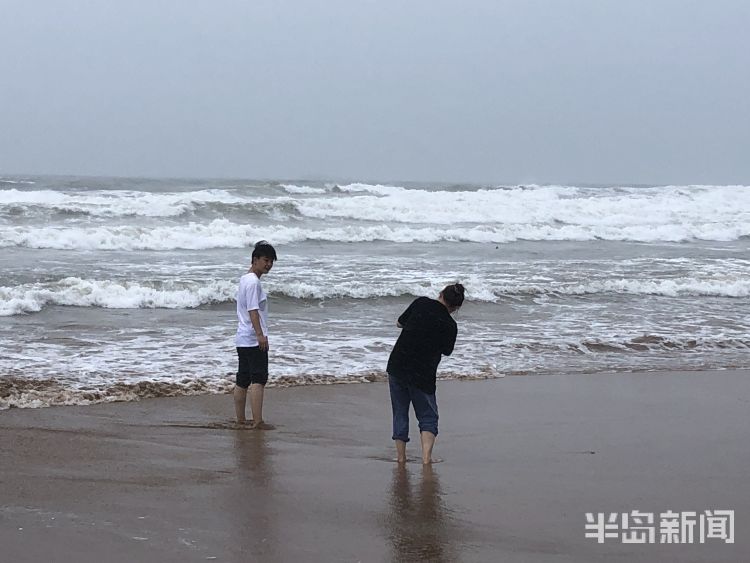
{"points": [[262, 338], [253, 304]]}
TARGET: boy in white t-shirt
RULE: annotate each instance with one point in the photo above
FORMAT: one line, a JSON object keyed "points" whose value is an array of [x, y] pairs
{"points": [[252, 337]]}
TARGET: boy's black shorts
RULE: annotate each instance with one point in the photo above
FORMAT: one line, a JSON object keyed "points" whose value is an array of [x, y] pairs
{"points": [[253, 366]]}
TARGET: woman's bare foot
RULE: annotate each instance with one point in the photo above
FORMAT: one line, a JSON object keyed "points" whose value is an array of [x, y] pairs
{"points": [[400, 451], [432, 460]]}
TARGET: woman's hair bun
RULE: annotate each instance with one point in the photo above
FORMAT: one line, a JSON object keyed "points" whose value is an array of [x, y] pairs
{"points": [[453, 294]]}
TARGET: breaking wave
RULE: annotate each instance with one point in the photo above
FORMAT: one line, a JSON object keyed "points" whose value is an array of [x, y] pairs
{"points": [[72, 291], [222, 233], [78, 292]]}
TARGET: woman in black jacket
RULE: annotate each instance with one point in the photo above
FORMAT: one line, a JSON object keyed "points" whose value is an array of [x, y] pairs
{"points": [[428, 333]]}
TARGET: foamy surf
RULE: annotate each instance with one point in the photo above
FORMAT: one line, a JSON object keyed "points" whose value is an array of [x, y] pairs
{"points": [[20, 392]]}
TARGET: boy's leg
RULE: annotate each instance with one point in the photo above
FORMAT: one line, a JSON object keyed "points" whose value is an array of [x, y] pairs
{"points": [[400, 408], [256, 402], [241, 384], [425, 407], [240, 399], [259, 379]]}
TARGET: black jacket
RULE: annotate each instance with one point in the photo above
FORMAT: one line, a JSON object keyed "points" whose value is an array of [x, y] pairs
{"points": [[428, 332]]}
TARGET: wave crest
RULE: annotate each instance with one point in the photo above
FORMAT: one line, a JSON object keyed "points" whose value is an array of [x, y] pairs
{"points": [[78, 292], [72, 291]]}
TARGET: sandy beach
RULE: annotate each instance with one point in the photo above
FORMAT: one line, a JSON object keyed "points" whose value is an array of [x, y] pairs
{"points": [[524, 459]]}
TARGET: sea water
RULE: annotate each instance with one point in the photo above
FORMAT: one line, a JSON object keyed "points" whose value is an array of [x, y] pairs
{"points": [[117, 288]]}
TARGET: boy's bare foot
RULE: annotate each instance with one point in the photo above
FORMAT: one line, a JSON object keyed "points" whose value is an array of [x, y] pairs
{"points": [[246, 425], [262, 425]]}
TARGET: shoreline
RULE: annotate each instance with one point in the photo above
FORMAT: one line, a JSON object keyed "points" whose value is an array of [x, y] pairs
{"points": [[31, 393], [525, 458]]}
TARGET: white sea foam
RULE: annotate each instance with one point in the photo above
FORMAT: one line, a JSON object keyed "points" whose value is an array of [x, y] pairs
{"points": [[293, 189], [676, 209]]}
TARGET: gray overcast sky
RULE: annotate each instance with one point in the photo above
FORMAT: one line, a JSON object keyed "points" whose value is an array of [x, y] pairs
{"points": [[638, 91]]}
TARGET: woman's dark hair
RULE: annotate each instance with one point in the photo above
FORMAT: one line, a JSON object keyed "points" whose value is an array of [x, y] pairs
{"points": [[453, 295], [264, 249]]}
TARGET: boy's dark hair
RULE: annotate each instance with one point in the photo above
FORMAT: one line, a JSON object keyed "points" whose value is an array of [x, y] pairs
{"points": [[453, 294], [264, 249]]}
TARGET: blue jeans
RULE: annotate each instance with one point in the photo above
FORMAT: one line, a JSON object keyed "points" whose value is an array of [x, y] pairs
{"points": [[425, 407]]}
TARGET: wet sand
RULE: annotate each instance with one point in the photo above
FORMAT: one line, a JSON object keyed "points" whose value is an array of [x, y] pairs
{"points": [[524, 459]]}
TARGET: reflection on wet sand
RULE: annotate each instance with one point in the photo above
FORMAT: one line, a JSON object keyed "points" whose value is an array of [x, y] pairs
{"points": [[418, 523], [252, 500]]}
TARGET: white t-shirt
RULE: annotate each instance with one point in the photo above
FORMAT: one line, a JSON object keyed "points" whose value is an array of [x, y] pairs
{"points": [[250, 297]]}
